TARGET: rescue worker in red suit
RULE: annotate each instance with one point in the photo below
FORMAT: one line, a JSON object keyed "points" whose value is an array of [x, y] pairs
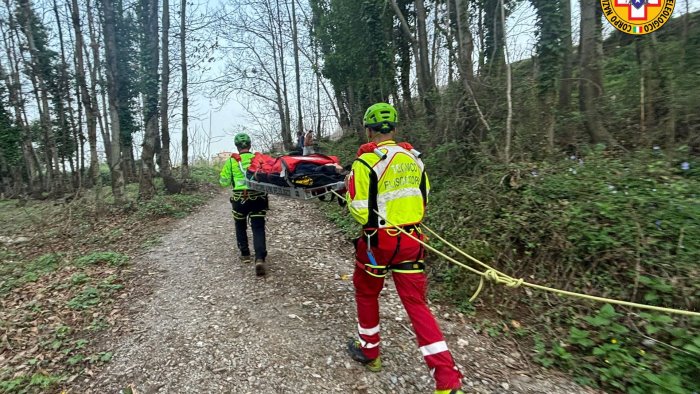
{"points": [[388, 187]]}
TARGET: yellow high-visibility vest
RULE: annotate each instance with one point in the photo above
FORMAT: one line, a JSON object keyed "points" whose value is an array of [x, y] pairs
{"points": [[395, 186], [233, 172]]}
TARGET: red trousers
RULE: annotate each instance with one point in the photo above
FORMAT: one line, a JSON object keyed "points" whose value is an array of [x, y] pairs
{"points": [[393, 249]]}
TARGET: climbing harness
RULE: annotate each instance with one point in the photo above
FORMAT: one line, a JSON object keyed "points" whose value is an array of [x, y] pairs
{"points": [[380, 271], [374, 225]]}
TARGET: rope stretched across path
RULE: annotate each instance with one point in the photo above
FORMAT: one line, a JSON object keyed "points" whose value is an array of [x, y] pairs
{"points": [[499, 277]]}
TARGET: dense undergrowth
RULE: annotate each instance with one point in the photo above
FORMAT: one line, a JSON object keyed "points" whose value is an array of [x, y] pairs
{"points": [[62, 267], [623, 226]]}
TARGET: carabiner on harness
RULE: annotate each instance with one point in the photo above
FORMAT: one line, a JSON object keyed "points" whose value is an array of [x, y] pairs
{"points": [[370, 255]]}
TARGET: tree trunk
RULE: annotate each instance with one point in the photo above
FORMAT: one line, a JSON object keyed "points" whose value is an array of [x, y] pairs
{"points": [[660, 97], [88, 102], [567, 49], [104, 123], [435, 52], [295, 38], [351, 103], [282, 90], [185, 173], [170, 183], [509, 87], [465, 51], [285, 135], [314, 59], [482, 40], [591, 82], [465, 41], [548, 63], [103, 116], [288, 143], [424, 58], [420, 51], [77, 122], [451, 37], [52, 159], [494, 39], [47, 181], [15, 95], [65, 90], [314, 44], [681, 65], [125, 86], [149, 24], [403, 47], [643, 60], [566, 82], [112, 70], [95, 78]]}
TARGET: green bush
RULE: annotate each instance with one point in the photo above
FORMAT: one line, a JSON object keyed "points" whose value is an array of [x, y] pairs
{"points": [[341, 218], [345, 149], [626, 359], [105, 175], [616, 220], [204, 174], [618, 226], [622, 227]]}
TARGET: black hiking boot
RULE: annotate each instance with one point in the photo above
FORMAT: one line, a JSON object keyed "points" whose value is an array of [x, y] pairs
{"points": [[355, 352], [260, 269]]}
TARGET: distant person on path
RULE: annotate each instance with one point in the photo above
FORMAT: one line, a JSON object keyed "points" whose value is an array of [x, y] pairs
{"points": [[309, 143], [246, 204], [398, 200], [300, 141]]}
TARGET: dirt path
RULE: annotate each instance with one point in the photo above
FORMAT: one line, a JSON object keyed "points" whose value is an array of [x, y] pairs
{"points": [[208, 325]]}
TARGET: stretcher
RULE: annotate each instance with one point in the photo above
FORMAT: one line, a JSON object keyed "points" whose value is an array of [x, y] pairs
{"points": [[298, 177], [298, 192]]}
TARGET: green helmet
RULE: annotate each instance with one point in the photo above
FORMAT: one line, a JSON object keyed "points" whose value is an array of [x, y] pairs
{"points": [[242, 140], [381, 117]]}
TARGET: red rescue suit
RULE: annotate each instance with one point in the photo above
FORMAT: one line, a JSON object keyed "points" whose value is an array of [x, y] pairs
{"points": [[389, 179]]}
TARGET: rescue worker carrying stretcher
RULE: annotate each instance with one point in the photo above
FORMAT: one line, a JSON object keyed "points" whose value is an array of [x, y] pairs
{"points": [[389, 179], [246, 203]]}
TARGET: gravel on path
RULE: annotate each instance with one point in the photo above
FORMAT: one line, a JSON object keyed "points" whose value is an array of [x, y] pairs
{"points": [[209, 325]]}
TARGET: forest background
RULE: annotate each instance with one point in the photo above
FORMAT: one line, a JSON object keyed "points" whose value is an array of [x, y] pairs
{"points": [[575, 166]]}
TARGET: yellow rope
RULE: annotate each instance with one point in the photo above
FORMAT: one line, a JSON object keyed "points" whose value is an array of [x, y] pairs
{"points": [[499, 277]]}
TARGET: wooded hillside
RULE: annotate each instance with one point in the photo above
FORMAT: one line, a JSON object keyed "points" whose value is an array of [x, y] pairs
{"points": [[574, 164]]}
